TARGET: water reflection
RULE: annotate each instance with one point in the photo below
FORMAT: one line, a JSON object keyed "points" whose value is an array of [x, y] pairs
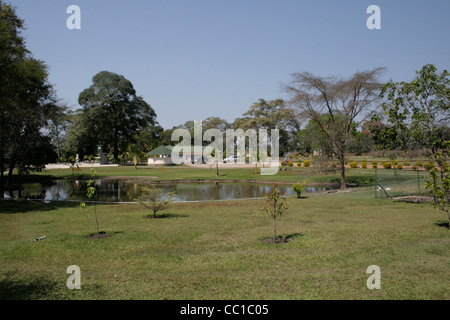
{"points": [[121, 190]]}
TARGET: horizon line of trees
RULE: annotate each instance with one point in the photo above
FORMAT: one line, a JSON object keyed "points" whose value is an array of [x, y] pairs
{"points": [[331, 115]]}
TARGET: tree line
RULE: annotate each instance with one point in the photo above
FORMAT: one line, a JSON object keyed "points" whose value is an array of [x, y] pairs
{"points": [[330, 115]]}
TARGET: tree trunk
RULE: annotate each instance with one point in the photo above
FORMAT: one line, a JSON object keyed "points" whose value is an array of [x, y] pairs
{"points": [[10, 173], [116, 147], [96, 219], [342, 164], [274, 229], [154, 213], [2, 165]]}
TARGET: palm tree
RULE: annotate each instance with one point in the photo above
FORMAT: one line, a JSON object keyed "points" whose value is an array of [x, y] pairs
{"points": [[135, 154]]}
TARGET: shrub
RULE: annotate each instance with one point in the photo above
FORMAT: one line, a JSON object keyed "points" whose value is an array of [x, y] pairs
{"points": [[399, 166], [387, 165], [429, 165], [290, 164], [364, 165], [306, 163], [374, 163], [333, 164], [354, 164], [152, 198], [419, 164], [405, 163], [394, 162], [414, 168], [299, 188], [299, 164]]}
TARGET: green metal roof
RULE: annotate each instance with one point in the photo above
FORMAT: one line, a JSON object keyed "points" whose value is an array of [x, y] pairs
{"points": [[161, 150], [167, 151]]}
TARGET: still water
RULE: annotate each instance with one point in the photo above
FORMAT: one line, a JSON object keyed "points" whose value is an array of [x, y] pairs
{"points": [[121, 190]]}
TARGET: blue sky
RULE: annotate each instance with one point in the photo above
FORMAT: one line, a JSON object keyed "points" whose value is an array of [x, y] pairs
{"points": [[191, 59]]}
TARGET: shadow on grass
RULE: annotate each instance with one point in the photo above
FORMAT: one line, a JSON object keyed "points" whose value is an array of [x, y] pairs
{"points": [[103, 234], [13, 288], [166, 216], [23, 206], [282, 238], [444, 224]]}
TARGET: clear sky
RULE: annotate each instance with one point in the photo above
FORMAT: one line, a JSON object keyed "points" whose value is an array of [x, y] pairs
{"points": [[191, 59]]}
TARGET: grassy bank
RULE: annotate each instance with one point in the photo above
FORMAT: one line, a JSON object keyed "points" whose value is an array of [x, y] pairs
{"points": [[179, 173], [213, 250]]}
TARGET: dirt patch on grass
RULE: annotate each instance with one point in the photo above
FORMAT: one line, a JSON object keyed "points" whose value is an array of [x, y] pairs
{"points": [[282, 239], [277, 240], [99, 236], [414, 199]]}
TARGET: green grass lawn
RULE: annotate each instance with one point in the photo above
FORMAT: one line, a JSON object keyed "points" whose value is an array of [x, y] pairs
{"points": [[291, 175], [213, 250]]}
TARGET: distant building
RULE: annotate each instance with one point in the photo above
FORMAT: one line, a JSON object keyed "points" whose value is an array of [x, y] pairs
{"points": [[162, 155]]}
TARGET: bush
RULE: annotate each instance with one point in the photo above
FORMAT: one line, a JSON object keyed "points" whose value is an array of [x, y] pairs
{"points": [[364, 165], [290, 164], [374, 163], [419, 164], [306, 163], [299, 164], [153, 198], [354, 164], [299, 188], [429, 165], [414, 168], [387, 165], [399, 166], [334, 165], [394, 162], [405, 163]]}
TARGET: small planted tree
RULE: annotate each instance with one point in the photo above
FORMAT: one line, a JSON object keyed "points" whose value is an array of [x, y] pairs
{"points": [[299, 188], [275, 207], [91, 193], [153, 198]]}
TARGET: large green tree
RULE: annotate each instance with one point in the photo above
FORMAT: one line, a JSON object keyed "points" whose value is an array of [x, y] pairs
{"points": [[273, 114], [112, 112], [417, 110], [27, 100]]}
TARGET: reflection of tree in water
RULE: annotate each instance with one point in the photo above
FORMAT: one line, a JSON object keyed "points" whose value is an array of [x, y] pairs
{"points": [[123, 190]]}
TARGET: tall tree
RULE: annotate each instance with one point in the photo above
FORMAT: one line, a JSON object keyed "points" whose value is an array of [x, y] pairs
{"points": [[57, 129], [27, 100], [273, 114], [347, 102], [417, 110], [112, 111]]}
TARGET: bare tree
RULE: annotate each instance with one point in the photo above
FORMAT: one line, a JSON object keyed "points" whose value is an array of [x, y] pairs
{"points": [[337, 106]]}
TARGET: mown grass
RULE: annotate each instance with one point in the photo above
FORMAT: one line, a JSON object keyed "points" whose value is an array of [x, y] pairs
{"points": [[213, 250]]}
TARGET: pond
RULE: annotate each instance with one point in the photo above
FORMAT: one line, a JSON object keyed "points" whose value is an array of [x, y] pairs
{"points": [[122, 190]]}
